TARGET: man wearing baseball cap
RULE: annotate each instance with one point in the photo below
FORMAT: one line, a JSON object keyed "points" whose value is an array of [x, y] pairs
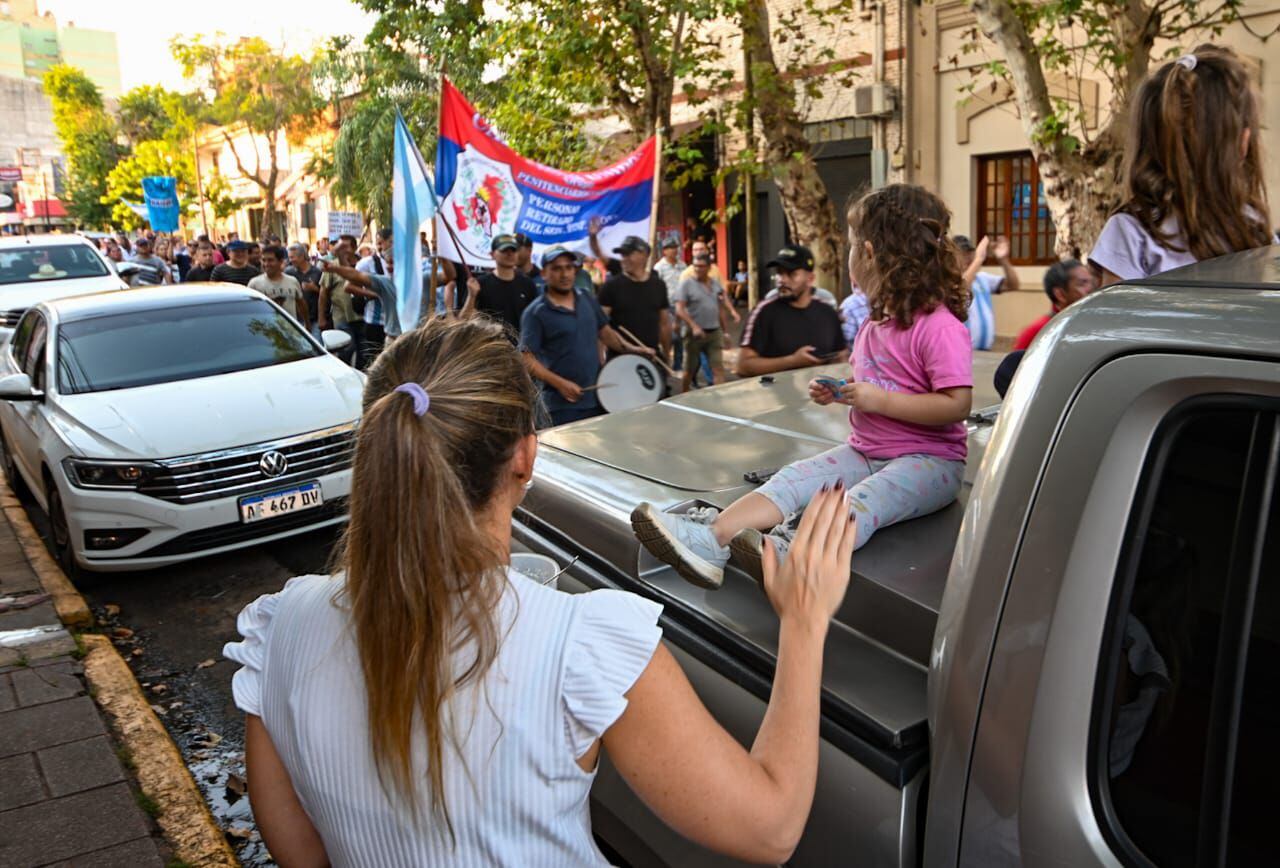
{"points": [[791, 330], [237, 268], [505, 292], [636, 299], [560, 333]]}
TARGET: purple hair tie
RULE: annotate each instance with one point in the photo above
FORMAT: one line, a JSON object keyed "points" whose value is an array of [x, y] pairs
{"points": [[421, 400]]}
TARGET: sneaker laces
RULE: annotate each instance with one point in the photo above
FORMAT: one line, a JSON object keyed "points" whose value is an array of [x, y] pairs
{"points": [[703, 514]]}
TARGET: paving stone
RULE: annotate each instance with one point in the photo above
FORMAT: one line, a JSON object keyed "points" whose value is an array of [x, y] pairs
{"points": [[38, 644], [20, 782], [8, 700], [139, 853], [36, 685], [67, 827], [80, 765], [28, 729], [35, 616], [16, 575]]}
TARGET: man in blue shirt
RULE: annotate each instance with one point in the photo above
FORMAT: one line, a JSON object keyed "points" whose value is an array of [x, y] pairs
{"points": [[560, 333], [982, 312]]}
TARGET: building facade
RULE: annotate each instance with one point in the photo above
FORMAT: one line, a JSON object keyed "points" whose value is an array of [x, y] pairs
{"points": [[303, 201], [31, 42]]}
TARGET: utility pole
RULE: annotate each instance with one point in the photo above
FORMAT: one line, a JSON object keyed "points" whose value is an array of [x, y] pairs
{"points": [[195, 148], [749, 177], [44, 194]]}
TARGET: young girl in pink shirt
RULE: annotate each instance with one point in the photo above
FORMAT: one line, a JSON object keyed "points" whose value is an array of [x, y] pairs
{"points": [[909, 392]]}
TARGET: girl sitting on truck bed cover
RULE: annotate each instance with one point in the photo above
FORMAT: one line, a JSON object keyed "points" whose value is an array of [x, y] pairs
{"points": [[909, 393]]}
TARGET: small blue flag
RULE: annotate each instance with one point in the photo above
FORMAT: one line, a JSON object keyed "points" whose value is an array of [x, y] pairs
{"points": [[161, 193], [413, 202]]}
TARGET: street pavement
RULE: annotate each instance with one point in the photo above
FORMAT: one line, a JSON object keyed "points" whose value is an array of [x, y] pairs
{"points": [[170, 625], [64, 796]]}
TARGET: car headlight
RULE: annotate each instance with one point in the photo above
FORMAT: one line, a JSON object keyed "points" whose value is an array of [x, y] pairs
{"points": [[88, 473]]}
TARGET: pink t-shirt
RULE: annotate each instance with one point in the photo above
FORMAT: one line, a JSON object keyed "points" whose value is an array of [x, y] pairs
{"points": [[935, 353]]}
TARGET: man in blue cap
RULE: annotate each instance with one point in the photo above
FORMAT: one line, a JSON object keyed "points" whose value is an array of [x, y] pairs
{"points": [[237, 268], [560, 333]]}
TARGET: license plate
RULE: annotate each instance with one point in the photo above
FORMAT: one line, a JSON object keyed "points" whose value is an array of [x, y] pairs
{"points": [[275, 503]]}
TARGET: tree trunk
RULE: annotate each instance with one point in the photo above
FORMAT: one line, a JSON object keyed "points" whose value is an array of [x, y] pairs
{"points": [[811, 217], [1081, 187]]}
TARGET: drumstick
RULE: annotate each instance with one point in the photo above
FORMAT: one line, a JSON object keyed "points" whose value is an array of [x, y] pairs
{"points": [[656, 358], [599, 386]]}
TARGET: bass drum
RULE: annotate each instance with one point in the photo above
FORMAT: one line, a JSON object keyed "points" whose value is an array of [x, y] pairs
{"points": [[627, 382]]}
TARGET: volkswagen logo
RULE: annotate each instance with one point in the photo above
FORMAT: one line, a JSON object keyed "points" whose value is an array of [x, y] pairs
{"points": [[273, 463]]}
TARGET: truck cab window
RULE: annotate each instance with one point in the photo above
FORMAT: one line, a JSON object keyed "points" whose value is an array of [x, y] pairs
{"points": [[1188, 681]]}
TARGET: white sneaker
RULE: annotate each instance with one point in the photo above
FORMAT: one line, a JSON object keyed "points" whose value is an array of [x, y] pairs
{"points": [[685, 542]]}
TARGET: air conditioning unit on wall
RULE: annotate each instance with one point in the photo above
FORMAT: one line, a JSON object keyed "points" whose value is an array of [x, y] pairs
{"points": [[876, 100]]}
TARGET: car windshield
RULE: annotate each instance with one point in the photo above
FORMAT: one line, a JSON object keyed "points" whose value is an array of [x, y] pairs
{"points": [[142, 348], [36, 264]]}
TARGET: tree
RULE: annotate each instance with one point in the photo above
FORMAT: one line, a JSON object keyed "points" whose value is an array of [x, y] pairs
{"points": [[88, 134], [253, 87], [810, 214], [1080, 168], [364, 88]]}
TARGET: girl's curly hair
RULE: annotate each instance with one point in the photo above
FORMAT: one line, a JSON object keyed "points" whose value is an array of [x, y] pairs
{"points": [[914, 266]]}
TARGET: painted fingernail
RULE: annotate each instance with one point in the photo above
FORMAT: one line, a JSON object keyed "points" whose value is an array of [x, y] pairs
{"points": [[824, 488], [840, 485]]}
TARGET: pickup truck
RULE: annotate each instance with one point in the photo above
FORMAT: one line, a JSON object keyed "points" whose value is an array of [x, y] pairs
{"points": [[1075, 664]]}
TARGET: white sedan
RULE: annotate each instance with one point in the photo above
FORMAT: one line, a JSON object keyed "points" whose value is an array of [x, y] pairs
{"points": [[36, 268], [164, 424]]}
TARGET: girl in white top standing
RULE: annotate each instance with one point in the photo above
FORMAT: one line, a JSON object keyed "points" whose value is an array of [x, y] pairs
{"points": [[1194, 170], [428, 706]]}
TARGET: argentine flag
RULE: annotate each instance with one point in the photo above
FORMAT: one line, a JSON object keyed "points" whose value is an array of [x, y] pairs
{"points": [[413, 203]]}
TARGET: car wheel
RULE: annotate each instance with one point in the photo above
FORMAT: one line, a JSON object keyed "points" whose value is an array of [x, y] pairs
{"points": [[63, 551], [12, 475]]}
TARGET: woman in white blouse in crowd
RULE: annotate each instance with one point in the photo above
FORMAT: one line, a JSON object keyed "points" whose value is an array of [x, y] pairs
{"points": [[428, 706]]}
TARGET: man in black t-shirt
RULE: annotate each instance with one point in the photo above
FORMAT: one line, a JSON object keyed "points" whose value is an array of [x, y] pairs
{"points": [[505, 292], [791, 330], [636, 299], [202, 267], [237, 268]]}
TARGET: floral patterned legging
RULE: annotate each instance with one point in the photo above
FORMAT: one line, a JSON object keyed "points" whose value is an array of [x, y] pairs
{"points": [[881, 491]]}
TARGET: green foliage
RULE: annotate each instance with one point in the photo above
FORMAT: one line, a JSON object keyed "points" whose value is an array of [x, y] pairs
{"points": [[1114, 37], [89, 139]]}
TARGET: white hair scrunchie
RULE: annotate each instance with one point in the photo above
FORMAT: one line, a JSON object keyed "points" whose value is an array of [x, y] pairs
{"points": [[1187, 61]]}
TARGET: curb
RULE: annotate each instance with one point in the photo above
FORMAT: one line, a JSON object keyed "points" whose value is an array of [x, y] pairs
{"points": [[72, 610], [185, 820]]}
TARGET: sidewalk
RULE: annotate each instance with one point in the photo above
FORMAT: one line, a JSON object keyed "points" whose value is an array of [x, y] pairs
{"points": [[64, 796]]}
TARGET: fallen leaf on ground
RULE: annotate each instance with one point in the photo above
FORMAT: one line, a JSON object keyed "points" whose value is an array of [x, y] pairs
{"points": [[112, 610], [235, 784], [239, 833], [122, 633], [205, 664], [160, 689], [136, 652]]}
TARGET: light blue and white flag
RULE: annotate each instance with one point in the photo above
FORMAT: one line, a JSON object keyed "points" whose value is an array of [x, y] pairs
{"points": [[161, 195], [413, 203]]}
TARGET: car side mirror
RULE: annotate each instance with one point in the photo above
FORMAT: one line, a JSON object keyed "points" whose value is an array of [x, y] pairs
{"points": [[17, 387], [124, 269], [335, 340]]}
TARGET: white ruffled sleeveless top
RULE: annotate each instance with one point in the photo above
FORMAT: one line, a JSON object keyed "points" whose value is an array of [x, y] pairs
{"points": [[515, 794]]}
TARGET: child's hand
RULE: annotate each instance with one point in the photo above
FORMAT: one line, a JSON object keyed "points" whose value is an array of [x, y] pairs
{"points": [[820, 393], [864, 397]]}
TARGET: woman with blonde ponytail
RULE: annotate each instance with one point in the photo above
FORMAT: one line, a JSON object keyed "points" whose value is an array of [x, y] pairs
{"points": [[427, 705]]}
